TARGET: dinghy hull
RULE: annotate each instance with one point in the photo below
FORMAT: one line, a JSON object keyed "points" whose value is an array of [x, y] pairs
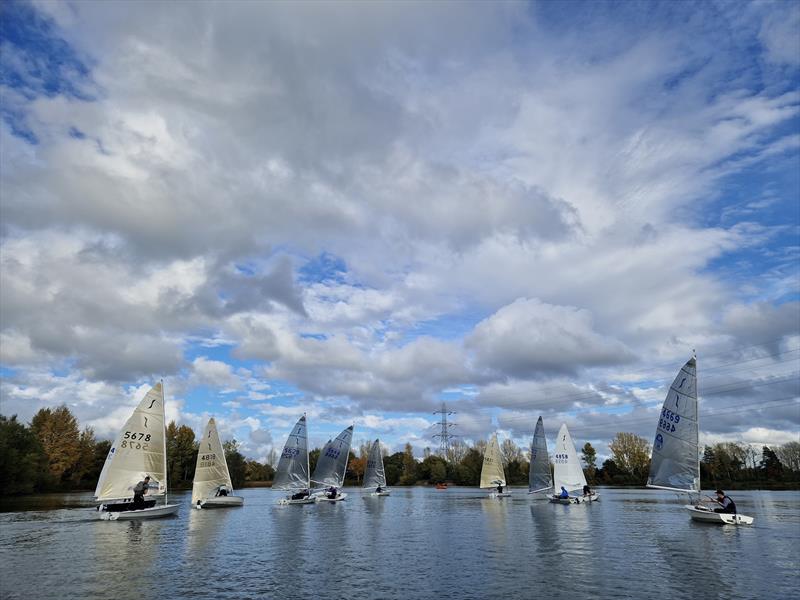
{"points": [[221, 502], [381, 494], [306, 500], [324, 498], [156, 512], [706, 515], [500, 495]]}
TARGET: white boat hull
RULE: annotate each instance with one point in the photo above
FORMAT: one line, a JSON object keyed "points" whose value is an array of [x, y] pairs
{"points": [[706, 515], [324, 498], [499, 495], [306, 500], [220, 502], [156, 512], [576, 499], [381, 494]]}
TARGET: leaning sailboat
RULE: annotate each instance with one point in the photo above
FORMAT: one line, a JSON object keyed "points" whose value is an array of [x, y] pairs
{"points": [[375, 475], [539, 477], [492, 473], [293, 470], [675, 462], [331, 467], [567, 470], [212, 486], [139, 451]]}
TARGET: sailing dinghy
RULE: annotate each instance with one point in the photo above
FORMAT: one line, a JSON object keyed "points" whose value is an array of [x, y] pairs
{"points": [[140, 450], [492, 473], [567, 471], [292, 472], [212, 486], [675, 462], [539, 477], [375, 475], [332, 466]]}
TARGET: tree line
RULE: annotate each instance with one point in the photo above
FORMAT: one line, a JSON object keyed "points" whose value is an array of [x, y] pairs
{"points": [[52, 453]]}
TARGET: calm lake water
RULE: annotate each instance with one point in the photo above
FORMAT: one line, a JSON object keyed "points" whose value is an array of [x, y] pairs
{"points": [[417, 543]]}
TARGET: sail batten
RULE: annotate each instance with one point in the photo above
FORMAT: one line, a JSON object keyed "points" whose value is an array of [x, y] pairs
{"points": [[375, 475], [675, 459], [138, 450], [211, 471], [567, 470], [539, 476], [332, 463], [292, 472], [492, 473]]}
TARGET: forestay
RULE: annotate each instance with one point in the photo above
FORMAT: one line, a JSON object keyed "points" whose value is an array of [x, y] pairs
{"points": [[375, 476], [332, 462], [492, 473], [292, 472], [539, 477], [139, 450], [567, 471], [675, 461], [211, 471]]}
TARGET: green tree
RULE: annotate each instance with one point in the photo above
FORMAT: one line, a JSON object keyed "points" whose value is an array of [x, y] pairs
{"points": [[589, 456], [22, 459], [409, 476], [57, 431], [255, 471], [393, 465], [237, 465], [313, 457], [631, 454], [181, 455], [771, 464]]}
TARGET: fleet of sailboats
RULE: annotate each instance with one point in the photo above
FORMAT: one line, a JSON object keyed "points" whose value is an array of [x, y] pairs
{"points": [[133, 481], [493, 475], [212, 486], [374, 474], [675, 462], [138, 452]]}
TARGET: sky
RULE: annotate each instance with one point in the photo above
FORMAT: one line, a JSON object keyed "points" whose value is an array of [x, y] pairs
{"points": [[362, 210]]}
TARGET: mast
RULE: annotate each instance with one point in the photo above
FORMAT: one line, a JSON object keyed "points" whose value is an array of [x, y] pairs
{"points": [[697, 401], [164, 425], [308, 461]]}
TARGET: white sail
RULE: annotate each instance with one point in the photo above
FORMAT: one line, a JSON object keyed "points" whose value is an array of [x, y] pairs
{"points": [[675, 461], [332, 462], [539, 477], [492, 473], [567, 471], [292, 472], [375, 476], [211, 471], [139, 450]]}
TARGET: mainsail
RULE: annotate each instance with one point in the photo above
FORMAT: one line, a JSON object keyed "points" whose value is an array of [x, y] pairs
{"points": [[375, 476], [539, 477], [567, 471], [332, 462], [292, 472], [675, 462], [139, 450], [211, 471], [492, 473]]}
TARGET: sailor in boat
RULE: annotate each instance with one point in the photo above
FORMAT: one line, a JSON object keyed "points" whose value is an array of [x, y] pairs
{"points": [[300, 495], [332, 493], [587, 491], [499, 489], [139, 490], [378, 490], [726, 504], [564, 495], [222, 491]]}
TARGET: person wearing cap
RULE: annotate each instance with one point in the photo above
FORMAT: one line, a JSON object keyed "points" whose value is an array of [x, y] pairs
{"points": [[139, 490], [726, 504]]}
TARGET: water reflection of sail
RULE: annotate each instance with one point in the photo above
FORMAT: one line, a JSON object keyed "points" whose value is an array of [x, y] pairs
{"points": [[497, 517], [132, 549], [204, 529]]}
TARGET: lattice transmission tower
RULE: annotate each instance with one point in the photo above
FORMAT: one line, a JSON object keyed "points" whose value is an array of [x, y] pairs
{"points": [[444, 434]]}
